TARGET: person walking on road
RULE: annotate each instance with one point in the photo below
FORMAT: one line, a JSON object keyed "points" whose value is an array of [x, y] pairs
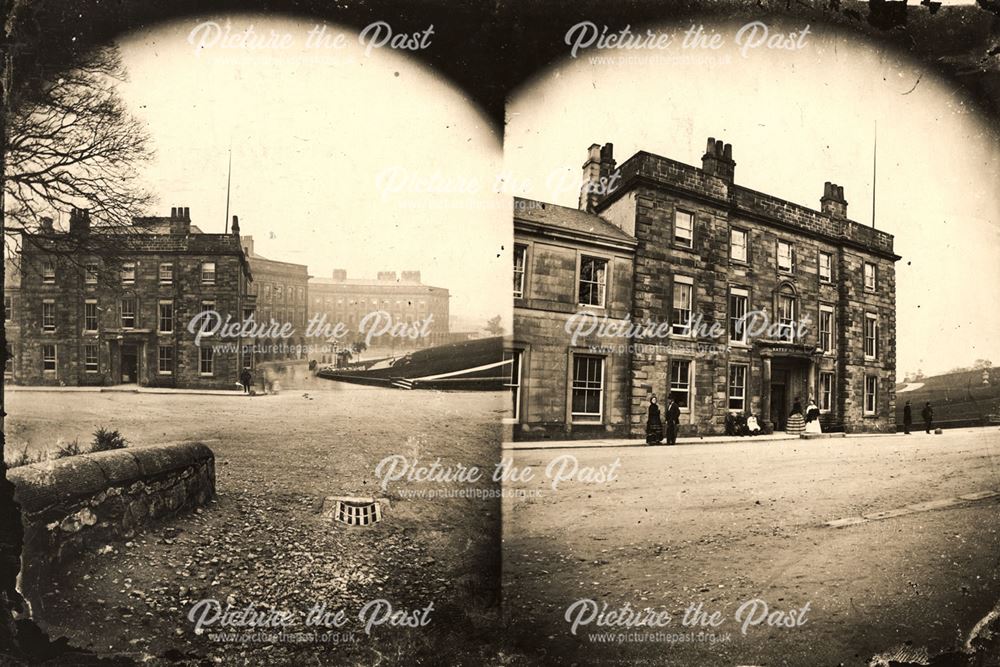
{"points": [[673, 417], [928, 414], [654, 426], [907, 418]]}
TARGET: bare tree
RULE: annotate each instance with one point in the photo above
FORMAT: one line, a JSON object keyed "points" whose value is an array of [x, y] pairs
{"points": [[493, 326], [73, 144]]}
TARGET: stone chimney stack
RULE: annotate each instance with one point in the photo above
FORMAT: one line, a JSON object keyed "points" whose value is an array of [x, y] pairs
{"points": [[718, 160], [180, 220], [389, 276], [340, 275], [247, 242], [411, 276], [236, 226], [597, 171], [833, 203], [79, 222], [45, 224]]}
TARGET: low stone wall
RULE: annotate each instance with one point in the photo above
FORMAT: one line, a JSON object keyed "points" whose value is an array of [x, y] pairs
{"points": [[83, 502]]}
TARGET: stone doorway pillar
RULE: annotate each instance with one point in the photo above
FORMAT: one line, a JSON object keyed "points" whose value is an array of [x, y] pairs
{"points": [[765, 393]]}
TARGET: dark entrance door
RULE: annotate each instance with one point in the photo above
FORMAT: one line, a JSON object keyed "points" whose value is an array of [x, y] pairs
{"points": [[778, 411], [130, 364]]}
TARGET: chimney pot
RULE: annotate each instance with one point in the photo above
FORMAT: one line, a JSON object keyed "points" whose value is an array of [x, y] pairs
{"points": [[718, 159], [833, 202], [45, 223]]}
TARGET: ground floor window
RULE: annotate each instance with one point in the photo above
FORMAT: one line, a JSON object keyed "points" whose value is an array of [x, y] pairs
{"points": [[90, 363], [205, 360], [871, 394], [588, 387], [825, 392], [48, 357], [738, 387], [248, 356], [165, 360], [680, 382], [512, 380]]}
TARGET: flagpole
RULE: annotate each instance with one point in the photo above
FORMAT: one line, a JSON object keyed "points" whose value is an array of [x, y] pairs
{"points": [[229, 180], [874, 171]]}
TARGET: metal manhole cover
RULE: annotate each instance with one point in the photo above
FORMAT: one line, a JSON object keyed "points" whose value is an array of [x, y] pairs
{"points": [[354, 511]]}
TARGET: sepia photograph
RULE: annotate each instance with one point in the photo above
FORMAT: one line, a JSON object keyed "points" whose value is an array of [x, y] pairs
{"points": [[512, 334]]}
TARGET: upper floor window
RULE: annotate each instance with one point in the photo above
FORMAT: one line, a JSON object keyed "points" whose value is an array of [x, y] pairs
{"points": [[826, 328], [8, 308], [680, 315], [825, 267], [267, 292], [128, 313], [684, 228], [128, 273], [90, 274], [279, 292], [48, 315], [786, 260], [869, 277], [520, 254], [48, 273], [786, 317], [166, 316], [593, 281], [738, 245], [208, 273], [871, 336], [90, 315], [166, 273], [739, 300]]}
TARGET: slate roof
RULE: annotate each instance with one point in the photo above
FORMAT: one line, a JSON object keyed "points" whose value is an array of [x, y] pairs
{"points": [[567, 219]]}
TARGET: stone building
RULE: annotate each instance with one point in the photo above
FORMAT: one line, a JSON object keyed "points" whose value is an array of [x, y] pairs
{"points": [[105, 306], [281, 292], [756, 301], [406, 299], [567, 261]]}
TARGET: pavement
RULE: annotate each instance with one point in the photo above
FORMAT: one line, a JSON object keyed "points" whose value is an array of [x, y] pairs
{"points": [[697, 440], [122, 389]]}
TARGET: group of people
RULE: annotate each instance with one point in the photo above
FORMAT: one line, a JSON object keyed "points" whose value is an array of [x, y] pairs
{"points": [[927, 413], [654, 424], [803, 422]]}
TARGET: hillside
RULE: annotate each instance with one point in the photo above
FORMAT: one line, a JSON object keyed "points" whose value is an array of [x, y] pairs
{"points": [[959, 396]]}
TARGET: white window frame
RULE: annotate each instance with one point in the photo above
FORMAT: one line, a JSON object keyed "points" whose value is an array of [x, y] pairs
{"points": [[8, 308], [512, 382], [202, 349], [733, 233], [586, 385], [873, 395], [828, 278], [135, 312], [208, 276], [87, 366], [740, 293], [786, 323], [90, 272], [48, 315], [871, 286], [128, 273], [601, 284], [686, 283], [871, 318], [45, 358], [742, 396], [48, 273], [166, 277], [86, 316], [520, 272], [159, 360], [790, 268], [825, 397], [679, 240], [826, 348], [159, 316], [688, 391]]}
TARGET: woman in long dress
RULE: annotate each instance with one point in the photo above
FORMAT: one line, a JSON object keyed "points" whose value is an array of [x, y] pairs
{"points": [[796, 422], [654, 425], [812, 418]]}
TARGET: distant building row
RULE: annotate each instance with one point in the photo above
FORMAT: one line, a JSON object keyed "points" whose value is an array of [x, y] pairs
{"points": [[102, 306]]}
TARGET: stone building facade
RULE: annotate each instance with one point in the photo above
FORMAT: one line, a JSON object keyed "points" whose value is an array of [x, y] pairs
{"points": [[566, 262], [108, 306], [280, 291], [756, 301], [405, 298]]}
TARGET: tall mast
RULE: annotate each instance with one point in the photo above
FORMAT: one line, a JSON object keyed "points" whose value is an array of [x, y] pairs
{"points": [[229, 180], [874, 171]]}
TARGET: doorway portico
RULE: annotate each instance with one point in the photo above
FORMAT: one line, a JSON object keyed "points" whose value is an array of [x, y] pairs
{"points": [[789, 372]]}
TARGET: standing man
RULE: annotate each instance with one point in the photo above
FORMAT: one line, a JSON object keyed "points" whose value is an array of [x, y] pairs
{"points": [[907, 418], [672, 416], [246, 379], [928, 415]]}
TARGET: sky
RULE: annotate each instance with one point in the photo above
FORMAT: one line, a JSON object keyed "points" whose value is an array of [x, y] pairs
{"points": [[797, 118], [332, 149]]}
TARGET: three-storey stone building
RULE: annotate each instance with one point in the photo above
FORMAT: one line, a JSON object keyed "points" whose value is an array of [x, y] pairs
{"points": [[758, 300], [107, 306]]}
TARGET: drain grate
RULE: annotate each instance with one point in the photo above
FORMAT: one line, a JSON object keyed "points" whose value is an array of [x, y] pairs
{"points": [[357, 511]]}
